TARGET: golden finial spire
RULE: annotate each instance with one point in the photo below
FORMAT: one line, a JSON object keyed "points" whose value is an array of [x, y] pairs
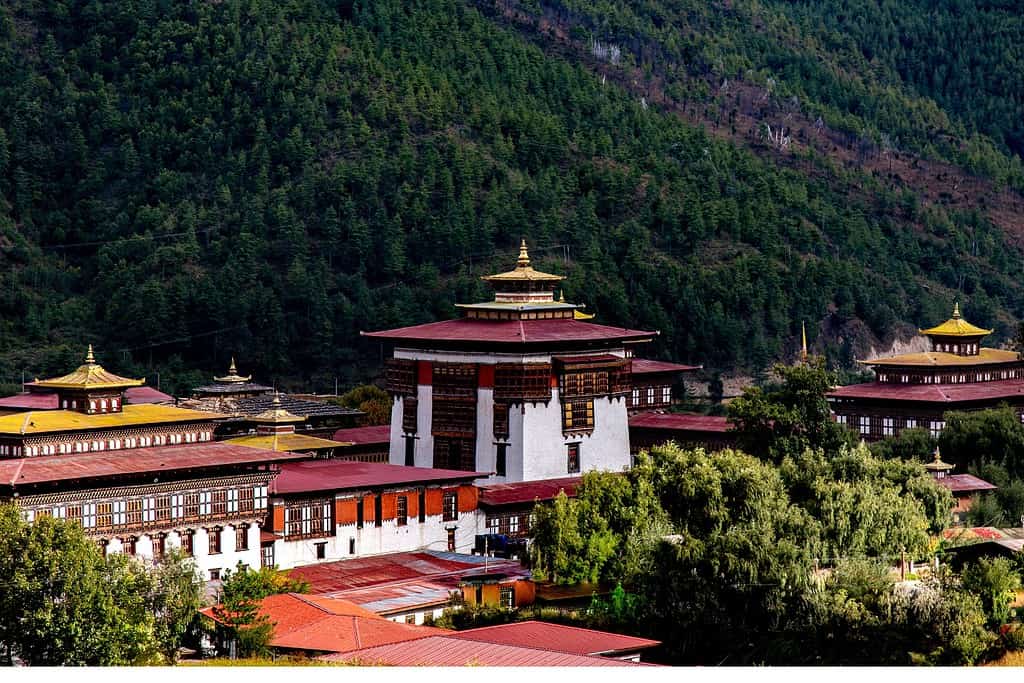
{"points": [[277, 398], [803, 341], [938, 456], [89, 358], [524, 258], [561, 297], [956, 310], [232, 370]]}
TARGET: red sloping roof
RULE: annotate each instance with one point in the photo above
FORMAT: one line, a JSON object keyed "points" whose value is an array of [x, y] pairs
{"points": [[965, 482], [933, 393], [643, 366], [527, 491], [450, 651], [680, 422], [570, 639], [303, 622], [362, 572], [336, 475], [135, 395], [377, 434], [30, 401], [21, 471], [511, 332]]}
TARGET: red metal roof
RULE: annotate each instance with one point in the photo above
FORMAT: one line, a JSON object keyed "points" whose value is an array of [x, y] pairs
{"points": [[30, 401], [304, 622], [377, 434], [22, 471], [511, 332], [965, 482], [569, 639], [337, 475], [363, 572], [135, 395], [679, 422], [643, 366], [934, 393], [451, 651], [527, 491]]}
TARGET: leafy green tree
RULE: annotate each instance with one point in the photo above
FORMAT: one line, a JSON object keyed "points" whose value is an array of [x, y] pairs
{"points": [[241, 593], [370, 399], [790, 417], [176, 598], [997, 435], [995, 581]]}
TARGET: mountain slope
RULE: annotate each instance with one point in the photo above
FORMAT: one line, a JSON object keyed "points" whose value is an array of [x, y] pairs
{"points": [[180, 182]]}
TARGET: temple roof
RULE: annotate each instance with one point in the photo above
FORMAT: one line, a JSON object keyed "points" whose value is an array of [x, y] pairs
{"points": [[937, 465], [232, 377], [956, 327], [276, 414], [89, 375], [517, 332], [985, 356], [523, 272], [933, 393], [45, 421], [286, 442]]}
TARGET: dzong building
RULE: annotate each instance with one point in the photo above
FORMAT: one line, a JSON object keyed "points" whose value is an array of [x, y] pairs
{"points": [[916, 390]]}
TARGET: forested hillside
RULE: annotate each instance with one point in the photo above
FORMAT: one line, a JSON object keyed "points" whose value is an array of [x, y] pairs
{"points": [[184, 181]]}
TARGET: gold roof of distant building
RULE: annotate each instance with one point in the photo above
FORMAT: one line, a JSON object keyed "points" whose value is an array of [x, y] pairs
{"points": [[523, 271], [288, 443], [956, 327], [232, 377], [276, 414], [45, 421], [985, 356], [90, 375], [937, 465]]}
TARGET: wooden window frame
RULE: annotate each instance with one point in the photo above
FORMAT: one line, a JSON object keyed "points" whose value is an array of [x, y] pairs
{"points": [[402, 511]]}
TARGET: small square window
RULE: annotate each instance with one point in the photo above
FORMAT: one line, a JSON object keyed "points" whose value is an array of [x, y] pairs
{"points": [[321, 551], [242, 537], [215, 575], [500, 459], [410, 619], [450, 506], [214, 537], [351, 546]]}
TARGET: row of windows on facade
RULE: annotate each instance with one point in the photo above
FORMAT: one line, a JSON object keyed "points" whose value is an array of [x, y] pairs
{"points": [[158, 542], [101, 405], [887, 426], [957, 348], [87, 446], [500, 456], [99, 516], [316, 518], [510, 524], [960, 378]]}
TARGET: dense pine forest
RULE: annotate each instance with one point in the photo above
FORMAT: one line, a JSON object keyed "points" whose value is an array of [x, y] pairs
{"points": [[185, 181]]}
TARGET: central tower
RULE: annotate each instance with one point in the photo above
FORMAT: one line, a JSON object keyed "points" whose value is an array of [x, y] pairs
{"points": [[520, 386]]}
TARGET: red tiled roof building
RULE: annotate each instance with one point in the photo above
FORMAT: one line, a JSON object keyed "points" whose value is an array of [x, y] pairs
{"points": [[915, 390], [523, 387]]}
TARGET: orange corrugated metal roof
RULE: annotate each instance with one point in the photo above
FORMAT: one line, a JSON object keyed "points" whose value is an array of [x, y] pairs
{"points": [[452, 651], [558, 637]]}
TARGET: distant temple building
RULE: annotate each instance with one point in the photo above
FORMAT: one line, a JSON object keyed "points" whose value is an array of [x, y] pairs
{"points": [[140, 479], [242, 401], [915, 390], [520, 386]]}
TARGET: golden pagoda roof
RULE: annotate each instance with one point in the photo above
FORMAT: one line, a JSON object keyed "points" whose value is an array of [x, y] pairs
{"points": [[276, 414], [937, 465], [45, 421], [286, 442], [986, 356], [523, 272], [89, 375], [956, 327], [232, 377]]}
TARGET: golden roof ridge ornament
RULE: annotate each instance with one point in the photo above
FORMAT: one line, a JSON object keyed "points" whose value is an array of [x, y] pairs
{"points": [[276, 414], [956, 327], [232, 377], [90, 359], [524, 257], [937, 465]]}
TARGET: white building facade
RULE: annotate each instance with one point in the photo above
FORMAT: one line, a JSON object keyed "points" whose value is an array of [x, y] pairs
{"points": [[521, 388]]}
